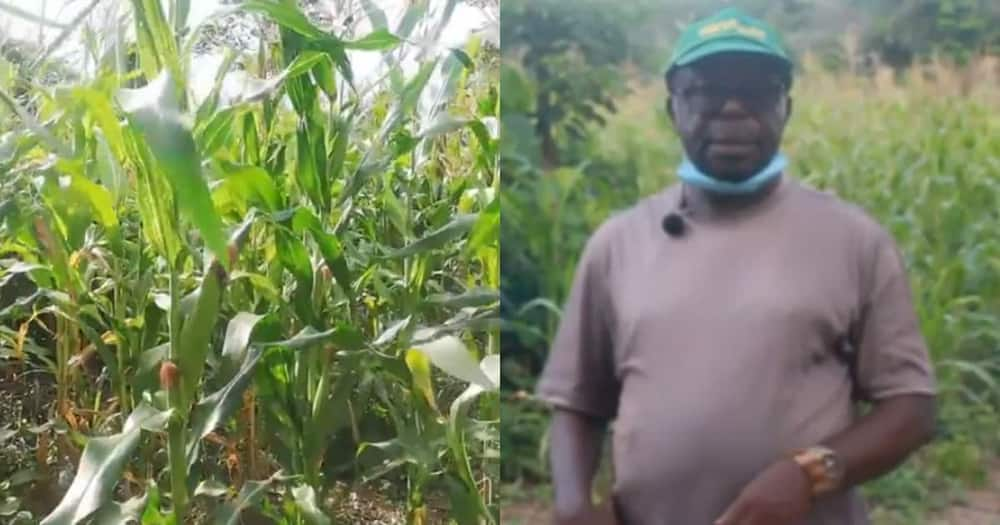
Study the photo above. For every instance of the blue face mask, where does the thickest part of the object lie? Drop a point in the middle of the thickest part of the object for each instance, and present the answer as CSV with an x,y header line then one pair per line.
x,y
690,174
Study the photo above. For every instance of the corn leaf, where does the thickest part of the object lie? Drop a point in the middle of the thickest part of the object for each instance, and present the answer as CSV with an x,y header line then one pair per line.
x,y
101,467
154,112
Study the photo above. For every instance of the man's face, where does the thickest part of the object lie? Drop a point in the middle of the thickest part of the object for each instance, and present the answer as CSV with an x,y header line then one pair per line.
x,y
730,110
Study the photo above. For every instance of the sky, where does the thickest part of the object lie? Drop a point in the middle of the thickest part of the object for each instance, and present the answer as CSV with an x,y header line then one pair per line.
x,y
465,21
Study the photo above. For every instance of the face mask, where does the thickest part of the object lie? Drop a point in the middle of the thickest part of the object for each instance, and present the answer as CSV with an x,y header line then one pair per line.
x,y
690,174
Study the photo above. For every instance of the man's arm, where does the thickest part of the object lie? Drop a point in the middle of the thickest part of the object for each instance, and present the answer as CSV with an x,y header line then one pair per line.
x,y
870,448
581,384
574,464
883,438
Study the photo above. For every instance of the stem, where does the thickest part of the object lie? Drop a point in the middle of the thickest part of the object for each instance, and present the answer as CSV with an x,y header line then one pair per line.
x,y
178,463
124,400
252,417
61,364
178,422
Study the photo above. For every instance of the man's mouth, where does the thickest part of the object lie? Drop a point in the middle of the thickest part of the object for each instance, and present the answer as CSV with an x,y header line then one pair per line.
x,y
731,148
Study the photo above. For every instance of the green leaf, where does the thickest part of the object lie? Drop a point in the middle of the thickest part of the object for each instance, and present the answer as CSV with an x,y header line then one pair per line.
x,y
287,15
101,467
390,333
77,201
343,336
238,338
323,74
330,248
305,498
307,172
463,57
335,168
196,332
100,201
123,513
251,184
438,238
147,366
459,451
9,505
305,62
213,409
490,365
30,16
260,283
216,131
154,111
486,232
98,106
450,355
256,90
109,171
330,413
156,200
443,125
180,11
212,488
473,297
420,370
464,503
378,40
36,128
24,476
153,515
373,162
375,14
250,495
210,105
157,45
294,256
407,100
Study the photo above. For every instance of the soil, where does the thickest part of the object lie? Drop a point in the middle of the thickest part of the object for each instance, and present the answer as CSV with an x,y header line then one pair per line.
x,y
25,400
977,507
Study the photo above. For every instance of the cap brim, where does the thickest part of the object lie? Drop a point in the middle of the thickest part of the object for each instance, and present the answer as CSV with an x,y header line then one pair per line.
x,y
728,45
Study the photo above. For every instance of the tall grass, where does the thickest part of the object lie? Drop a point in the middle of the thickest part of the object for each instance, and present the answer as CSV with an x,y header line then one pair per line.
x,y
265,287
919,151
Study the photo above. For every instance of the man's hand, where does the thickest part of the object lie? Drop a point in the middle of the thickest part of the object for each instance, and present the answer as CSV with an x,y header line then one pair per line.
x,y
603,515
781,495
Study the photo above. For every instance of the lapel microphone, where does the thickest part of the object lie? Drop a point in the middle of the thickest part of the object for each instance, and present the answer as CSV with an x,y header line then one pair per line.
x,y
673,223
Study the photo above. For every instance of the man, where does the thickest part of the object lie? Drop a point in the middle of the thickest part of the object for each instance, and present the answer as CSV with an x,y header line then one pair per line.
x,y
728,324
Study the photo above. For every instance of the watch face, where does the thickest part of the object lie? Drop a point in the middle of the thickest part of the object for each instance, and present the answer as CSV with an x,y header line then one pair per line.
x,y
832,465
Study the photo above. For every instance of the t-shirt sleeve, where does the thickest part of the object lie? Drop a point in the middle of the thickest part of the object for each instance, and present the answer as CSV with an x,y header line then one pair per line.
x,y
893,355
579,374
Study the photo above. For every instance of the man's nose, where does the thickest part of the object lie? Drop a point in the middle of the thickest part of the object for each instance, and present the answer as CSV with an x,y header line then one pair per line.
x,y
733,105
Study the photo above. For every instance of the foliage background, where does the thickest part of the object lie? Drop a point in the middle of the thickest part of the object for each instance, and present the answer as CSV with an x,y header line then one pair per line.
x,y
896,109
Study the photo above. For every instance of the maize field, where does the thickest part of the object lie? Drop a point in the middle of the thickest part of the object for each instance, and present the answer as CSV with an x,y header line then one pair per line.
x,y
264,299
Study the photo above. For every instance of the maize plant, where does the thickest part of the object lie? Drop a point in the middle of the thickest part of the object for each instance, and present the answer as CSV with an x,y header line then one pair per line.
x,y
243,293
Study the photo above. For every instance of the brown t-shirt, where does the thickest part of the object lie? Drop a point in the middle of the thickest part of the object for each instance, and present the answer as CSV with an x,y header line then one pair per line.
x,y
715,351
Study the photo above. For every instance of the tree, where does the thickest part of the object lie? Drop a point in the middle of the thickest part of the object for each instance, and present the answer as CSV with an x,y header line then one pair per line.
x,y
571,53
911,29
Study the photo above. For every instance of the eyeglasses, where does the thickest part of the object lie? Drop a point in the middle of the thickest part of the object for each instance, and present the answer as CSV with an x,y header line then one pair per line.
x,y
758,97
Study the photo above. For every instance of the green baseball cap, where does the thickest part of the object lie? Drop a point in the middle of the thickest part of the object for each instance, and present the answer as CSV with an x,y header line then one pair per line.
x,y
731,29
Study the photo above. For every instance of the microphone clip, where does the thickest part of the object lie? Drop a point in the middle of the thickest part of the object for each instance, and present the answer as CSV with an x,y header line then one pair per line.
x,y
673,224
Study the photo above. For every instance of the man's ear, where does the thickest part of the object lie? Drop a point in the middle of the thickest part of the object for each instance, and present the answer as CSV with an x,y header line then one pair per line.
x,y
788,109
670,109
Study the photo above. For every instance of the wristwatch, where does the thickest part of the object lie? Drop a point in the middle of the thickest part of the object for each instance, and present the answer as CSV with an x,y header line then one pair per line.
x,y
823,467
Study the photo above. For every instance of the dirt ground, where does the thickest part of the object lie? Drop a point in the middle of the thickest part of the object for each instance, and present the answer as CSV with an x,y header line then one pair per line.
x,y
25,400
978,507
